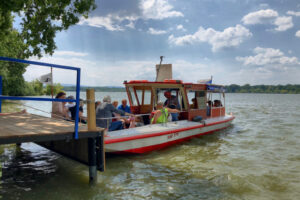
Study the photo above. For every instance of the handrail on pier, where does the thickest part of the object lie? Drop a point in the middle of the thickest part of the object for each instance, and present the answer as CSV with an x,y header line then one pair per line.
x,y
46,99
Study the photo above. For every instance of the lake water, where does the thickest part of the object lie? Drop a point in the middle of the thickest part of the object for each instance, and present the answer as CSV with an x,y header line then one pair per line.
x,y
257,157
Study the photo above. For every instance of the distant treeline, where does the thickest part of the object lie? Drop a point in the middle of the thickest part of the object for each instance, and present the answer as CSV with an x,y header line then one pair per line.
x,y
278,89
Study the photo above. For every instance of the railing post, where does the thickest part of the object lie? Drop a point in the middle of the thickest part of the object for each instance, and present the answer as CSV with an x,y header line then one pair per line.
x,y
77,102
0,93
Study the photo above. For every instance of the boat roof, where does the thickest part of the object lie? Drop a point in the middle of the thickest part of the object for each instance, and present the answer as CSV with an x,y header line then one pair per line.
x,y
208,87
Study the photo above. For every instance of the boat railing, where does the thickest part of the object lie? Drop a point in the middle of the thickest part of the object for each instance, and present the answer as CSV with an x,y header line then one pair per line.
x,y
76,100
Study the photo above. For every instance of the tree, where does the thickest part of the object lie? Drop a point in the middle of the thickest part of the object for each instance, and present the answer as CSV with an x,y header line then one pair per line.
x,y
11,45
56,89
41,20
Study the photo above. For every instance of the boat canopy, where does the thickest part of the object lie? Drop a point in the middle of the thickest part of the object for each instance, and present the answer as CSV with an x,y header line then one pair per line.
x,y
215,88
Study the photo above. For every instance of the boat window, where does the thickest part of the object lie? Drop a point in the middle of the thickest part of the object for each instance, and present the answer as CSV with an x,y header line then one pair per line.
x,y
217,99
169,96
147,97
132,96
139,94
197,99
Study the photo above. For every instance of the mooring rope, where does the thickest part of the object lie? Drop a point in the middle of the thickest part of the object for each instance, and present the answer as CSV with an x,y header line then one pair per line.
x,y
58,116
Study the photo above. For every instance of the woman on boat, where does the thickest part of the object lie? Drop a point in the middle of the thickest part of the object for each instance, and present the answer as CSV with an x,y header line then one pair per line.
x,y
161,114
59,111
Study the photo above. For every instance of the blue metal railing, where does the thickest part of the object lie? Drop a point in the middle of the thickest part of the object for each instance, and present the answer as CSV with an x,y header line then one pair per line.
x,y
46,99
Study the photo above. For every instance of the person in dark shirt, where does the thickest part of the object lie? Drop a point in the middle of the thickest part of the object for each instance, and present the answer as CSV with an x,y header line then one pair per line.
x,y
72,110
171,100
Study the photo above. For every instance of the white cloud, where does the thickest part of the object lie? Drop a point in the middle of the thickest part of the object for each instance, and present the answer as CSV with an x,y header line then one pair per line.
x,y
69,53
110,22
230,37
158,9
268,16
283,23
180,27
259,17
296,14
297,34
268,56
156,32
150,9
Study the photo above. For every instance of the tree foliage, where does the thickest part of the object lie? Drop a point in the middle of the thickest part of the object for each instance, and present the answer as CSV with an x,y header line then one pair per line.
x,y
282,89
56,88
34,88
11,45
42,19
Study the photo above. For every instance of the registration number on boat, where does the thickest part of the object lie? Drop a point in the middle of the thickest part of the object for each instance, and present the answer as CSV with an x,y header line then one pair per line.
x,y
172,135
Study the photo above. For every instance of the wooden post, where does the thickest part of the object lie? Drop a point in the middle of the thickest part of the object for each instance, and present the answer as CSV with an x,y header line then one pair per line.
x,y
91,111
91,120
92,156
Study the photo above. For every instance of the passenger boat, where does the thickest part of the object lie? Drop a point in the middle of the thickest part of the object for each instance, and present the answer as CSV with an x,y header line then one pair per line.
x,y
194,119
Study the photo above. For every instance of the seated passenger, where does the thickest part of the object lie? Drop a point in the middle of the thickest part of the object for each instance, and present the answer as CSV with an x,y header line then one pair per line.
x,y
97,103
161,114
69,105
217,103
124,106
59,111
72,110
193,106
104,115
171,100
115,104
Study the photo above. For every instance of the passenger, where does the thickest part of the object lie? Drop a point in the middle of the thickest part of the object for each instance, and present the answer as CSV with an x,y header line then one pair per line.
x,y
69,105
173,116
124,106
58,108
208,108
138,122
161,114
217,103
21,112
106,110
115,104
193,106
171,100
97,103
72,110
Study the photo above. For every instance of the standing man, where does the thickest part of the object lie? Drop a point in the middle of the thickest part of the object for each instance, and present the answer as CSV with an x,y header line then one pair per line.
x,y
124,106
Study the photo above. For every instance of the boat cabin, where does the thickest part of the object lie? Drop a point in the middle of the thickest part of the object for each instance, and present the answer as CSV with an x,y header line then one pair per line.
x,y
193,100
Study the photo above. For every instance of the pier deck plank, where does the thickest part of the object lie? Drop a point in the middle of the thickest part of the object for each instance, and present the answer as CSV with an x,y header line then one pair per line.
x,y
18,128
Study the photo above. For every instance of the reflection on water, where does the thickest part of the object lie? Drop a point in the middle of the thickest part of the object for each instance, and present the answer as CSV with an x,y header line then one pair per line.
x,y
255,158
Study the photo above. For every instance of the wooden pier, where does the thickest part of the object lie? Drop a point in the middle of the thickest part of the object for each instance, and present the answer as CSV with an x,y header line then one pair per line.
x,y
58,135
84,143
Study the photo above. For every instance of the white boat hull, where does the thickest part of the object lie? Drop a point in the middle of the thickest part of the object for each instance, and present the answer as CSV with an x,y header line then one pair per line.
x,y
158,136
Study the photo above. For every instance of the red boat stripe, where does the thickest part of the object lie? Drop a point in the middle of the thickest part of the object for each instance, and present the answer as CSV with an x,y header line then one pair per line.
x,y
135,137
163,145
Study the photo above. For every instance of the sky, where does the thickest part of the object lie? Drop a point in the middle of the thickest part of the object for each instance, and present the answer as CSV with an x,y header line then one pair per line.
x,y
235,41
